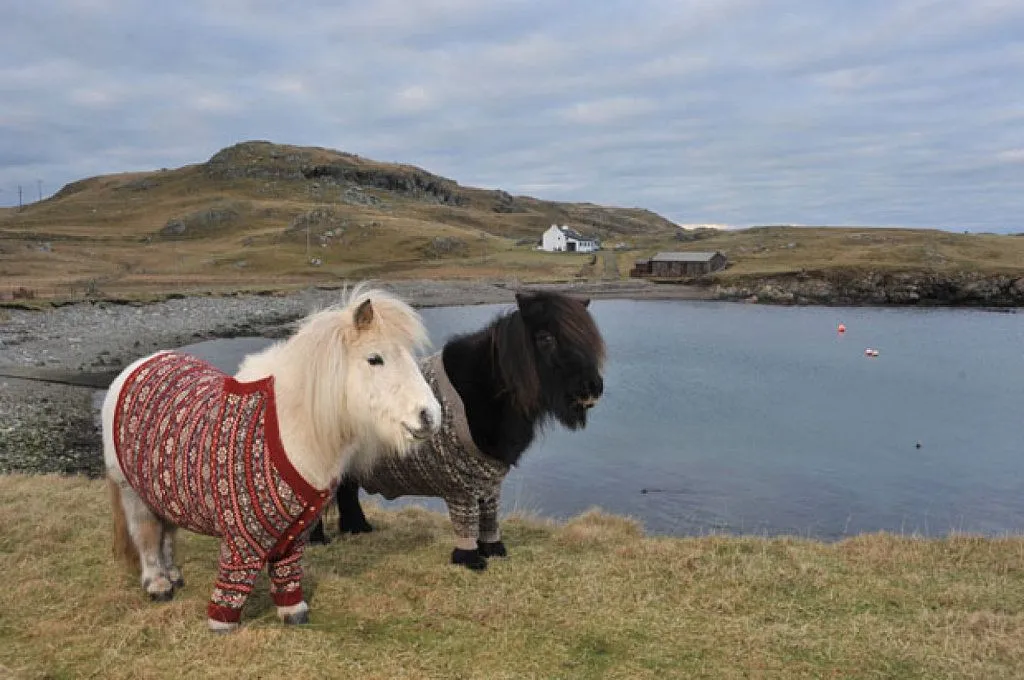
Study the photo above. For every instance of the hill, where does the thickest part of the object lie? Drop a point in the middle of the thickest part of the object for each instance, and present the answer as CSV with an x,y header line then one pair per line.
x,y
244,216
258,215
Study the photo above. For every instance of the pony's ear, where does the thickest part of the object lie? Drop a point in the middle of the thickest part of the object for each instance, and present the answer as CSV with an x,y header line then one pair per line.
x,y
529,306
586,302
364,315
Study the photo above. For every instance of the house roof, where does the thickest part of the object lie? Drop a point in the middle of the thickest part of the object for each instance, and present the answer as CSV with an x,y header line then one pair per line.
x,y
572,233
684,257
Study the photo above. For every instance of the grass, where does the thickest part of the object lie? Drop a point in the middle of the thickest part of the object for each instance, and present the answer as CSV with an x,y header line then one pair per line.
x,y
590,598
771,251
100,237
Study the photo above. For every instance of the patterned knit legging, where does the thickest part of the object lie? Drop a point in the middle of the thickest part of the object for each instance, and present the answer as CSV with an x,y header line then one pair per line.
x,y
473,519
235,582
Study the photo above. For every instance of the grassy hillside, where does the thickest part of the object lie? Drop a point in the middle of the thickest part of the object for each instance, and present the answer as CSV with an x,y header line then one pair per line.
x,y
766,251
591,598
256,214
241,219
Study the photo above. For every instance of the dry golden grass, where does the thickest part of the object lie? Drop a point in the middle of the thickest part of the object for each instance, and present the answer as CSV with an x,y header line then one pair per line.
x,y
784,250
101,236
591,598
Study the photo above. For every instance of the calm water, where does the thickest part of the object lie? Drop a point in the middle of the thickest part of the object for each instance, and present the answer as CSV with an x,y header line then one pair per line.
x,y
764,420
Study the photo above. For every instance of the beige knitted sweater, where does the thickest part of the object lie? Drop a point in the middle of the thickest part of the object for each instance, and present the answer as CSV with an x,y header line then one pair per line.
x,y
449,466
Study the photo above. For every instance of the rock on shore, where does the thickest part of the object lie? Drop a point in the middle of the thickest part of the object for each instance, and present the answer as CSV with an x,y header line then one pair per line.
x,y
877,288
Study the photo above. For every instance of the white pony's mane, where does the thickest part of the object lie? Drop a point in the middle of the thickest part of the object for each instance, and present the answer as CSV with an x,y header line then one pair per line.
x,y
309,370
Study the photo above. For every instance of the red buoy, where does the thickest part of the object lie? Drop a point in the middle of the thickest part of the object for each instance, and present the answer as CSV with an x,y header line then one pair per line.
x,y
842,328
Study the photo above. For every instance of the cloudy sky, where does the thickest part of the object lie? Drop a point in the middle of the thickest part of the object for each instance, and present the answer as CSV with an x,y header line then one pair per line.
x,y
844,112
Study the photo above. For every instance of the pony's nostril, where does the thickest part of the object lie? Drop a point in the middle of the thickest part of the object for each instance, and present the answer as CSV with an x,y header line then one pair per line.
x,y
595,387
426,420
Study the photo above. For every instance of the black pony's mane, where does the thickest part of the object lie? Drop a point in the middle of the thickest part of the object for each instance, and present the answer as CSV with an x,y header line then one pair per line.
x,y
495,370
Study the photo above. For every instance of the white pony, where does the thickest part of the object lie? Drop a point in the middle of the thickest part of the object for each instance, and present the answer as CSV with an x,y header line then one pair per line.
x,y
253,458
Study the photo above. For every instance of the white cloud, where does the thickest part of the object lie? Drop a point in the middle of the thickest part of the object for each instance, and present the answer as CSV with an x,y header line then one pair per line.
x,y
605,111
1011,156
214,102
412,99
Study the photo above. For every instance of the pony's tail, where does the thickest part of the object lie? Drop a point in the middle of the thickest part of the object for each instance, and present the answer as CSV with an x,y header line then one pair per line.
x,y
123,547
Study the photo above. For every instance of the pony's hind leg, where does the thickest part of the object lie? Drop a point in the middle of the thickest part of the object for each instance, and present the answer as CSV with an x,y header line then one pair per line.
x,y
167,547
147,532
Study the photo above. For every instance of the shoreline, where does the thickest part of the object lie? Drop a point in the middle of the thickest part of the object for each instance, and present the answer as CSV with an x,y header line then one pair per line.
x,y
52,428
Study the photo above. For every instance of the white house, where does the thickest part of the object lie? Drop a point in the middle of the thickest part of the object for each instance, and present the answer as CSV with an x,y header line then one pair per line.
x,y
562,239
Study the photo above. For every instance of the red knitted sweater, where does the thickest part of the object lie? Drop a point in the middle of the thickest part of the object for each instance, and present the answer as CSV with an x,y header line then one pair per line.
x,y
204,452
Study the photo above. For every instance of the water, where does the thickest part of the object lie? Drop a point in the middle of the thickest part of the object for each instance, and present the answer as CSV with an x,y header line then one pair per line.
x,y
765,420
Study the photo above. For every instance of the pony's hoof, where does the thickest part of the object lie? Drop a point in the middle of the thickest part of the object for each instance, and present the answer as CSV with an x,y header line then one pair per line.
x,y
350,527
317,536
177,580
471,559
494,549
295,615
162,596
221,627
299,619
159,588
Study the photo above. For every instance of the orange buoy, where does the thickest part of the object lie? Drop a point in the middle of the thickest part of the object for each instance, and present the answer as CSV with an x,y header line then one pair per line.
x,y
842,328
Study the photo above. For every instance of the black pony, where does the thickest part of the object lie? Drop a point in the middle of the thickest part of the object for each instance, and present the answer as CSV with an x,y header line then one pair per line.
x,y
497,387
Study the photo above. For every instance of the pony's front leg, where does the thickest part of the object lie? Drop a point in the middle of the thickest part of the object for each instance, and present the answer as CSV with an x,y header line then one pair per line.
x,y
286,587
464,514
351,519
490,543
230,591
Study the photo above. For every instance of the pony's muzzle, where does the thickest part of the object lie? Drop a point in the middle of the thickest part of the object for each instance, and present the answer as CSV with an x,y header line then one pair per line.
x,y
592,391
428,424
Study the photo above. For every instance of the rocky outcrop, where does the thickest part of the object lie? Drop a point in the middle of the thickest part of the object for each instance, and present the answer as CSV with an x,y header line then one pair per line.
x,y
202,222
258,160
878,288
317,221
445,246
271,162
411,182
505,202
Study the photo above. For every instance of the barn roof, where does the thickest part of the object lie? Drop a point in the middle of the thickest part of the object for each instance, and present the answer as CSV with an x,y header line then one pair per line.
x,y
684,257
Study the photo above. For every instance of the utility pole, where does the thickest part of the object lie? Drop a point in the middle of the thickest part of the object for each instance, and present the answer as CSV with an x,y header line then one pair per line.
x,y
19,198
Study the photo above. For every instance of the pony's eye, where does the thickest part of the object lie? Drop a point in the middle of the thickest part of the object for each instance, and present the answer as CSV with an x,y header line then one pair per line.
x,y
375,360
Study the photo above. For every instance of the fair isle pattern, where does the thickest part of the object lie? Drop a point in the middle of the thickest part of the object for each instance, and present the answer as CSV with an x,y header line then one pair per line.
x,y
203,451
449,466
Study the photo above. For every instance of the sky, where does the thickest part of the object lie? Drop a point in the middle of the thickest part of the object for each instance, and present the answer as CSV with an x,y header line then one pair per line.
x,y
737,112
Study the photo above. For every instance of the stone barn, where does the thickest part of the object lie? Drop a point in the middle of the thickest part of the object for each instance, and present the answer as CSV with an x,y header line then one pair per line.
x,y
679,265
